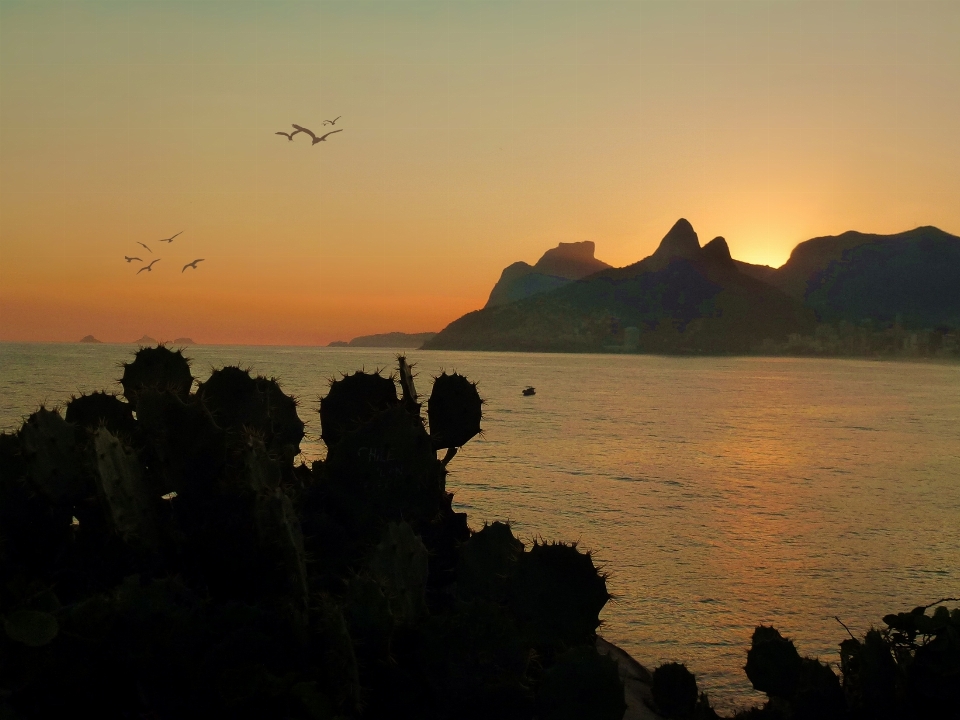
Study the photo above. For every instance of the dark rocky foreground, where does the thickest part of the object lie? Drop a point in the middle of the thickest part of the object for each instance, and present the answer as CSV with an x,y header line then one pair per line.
x,y
164,556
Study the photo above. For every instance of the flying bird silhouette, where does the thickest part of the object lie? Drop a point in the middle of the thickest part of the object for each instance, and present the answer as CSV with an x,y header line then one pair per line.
x,y
149,267
131,259
289,136
191,264
148,249
170,239
332,122
315,138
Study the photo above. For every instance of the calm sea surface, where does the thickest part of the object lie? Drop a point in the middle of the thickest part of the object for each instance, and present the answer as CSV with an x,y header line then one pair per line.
x,y
717,493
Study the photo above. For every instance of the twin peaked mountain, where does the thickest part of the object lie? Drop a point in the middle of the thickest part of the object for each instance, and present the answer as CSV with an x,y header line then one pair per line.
x,y
688,298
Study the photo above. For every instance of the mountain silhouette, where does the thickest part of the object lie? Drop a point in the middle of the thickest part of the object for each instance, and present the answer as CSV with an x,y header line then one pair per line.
x,y
559,266
912,277
683,299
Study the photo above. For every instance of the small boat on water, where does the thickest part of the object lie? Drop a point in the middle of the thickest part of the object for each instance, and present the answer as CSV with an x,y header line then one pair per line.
x,y
528,391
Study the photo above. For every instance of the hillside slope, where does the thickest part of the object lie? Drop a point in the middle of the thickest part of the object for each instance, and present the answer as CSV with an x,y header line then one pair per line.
x,y
684,298
557,267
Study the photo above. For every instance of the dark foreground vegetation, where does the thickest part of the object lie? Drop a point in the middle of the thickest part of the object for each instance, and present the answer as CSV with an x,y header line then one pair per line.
x,y
163,556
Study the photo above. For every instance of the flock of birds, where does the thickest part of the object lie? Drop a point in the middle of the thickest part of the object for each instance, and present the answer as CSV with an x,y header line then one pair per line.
x,y
149,266
296,130
300,129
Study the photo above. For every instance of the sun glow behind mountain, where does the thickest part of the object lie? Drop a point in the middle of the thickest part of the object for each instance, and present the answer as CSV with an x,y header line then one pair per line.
x,y
475,134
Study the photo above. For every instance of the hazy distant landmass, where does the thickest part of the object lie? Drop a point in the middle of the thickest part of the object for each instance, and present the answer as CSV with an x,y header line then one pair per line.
x,y
145,340
688,298
89,339
183,341
559,266
388,340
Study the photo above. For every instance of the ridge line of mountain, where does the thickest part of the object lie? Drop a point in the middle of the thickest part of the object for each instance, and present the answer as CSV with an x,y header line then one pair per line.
x,y
688,298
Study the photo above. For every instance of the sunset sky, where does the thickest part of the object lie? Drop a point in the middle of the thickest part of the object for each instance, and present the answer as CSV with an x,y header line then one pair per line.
x,y
476,133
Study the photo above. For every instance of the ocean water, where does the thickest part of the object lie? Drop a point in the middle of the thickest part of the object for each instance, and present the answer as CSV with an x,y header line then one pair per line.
x,y
718,493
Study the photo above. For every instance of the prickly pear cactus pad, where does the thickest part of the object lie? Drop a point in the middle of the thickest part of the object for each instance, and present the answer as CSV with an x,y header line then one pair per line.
x,y
454,411
559,593
132,509
99,408
399,565
237,401
53,461
156,368
389,468
353,400
488,561
773,663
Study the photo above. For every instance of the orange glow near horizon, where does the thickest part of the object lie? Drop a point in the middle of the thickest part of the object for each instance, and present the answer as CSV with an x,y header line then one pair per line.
x,y
476,134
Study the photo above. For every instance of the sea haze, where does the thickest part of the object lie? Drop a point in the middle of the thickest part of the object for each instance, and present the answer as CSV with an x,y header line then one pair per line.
x,y
718,493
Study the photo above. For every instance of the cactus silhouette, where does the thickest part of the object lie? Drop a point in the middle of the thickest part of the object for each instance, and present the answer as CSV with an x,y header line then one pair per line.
x,y
166,557
208,574
156,368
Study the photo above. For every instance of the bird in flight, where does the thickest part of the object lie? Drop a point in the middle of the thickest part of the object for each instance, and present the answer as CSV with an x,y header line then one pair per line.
x,y
148,249
332,122
170,239
315,138
131,259
191,264
149,267
289,136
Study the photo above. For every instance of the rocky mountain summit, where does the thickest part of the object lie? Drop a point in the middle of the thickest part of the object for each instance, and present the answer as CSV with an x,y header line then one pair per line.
x,y
557,267
684,298
853,293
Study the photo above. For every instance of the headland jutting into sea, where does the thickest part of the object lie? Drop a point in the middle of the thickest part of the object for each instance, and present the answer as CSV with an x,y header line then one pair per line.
x,y
164,555
850,295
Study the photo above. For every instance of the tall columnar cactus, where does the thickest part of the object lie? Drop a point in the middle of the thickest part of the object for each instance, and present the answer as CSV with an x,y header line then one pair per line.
x,y
52,458
156,368
352,401
454,411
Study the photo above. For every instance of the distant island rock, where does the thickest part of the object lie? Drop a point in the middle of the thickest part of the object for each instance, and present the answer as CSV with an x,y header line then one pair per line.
x,y
557,267
145,340
387,340
89,339
183,341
